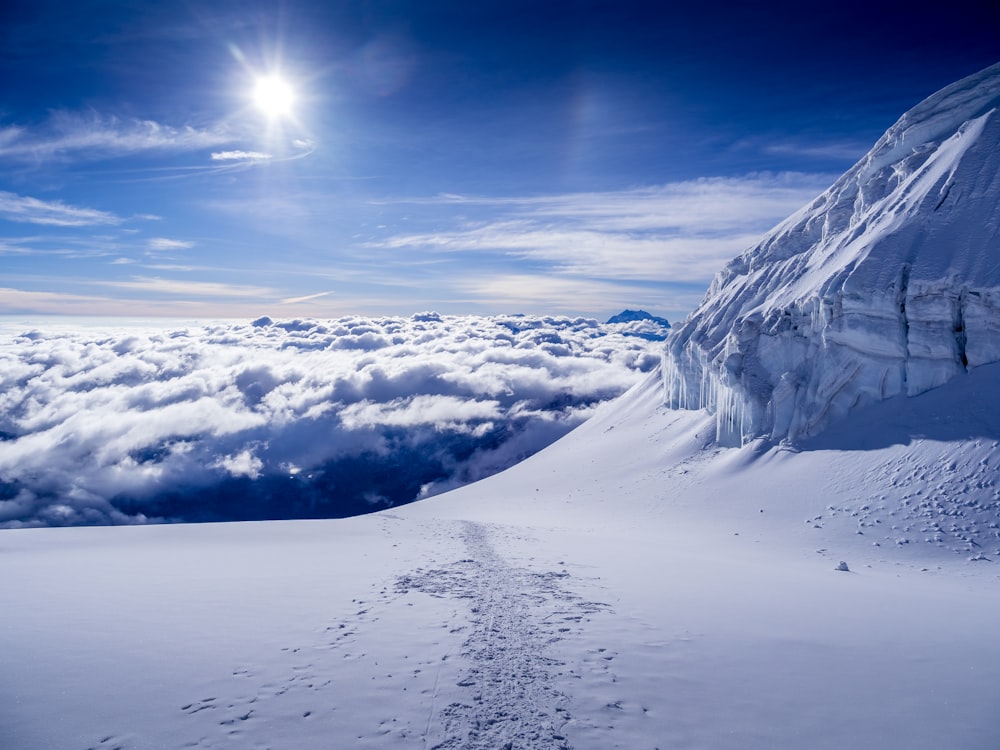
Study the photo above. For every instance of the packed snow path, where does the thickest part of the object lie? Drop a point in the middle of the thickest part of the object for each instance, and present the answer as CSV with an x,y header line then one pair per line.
x,y
461,647
513,696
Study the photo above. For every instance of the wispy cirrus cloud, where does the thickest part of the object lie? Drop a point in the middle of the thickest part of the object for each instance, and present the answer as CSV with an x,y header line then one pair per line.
x,y
692,205
68,136
240,156
28,210
200,289
306,298
50,299
165,243
170,267
61,303
678,232
523,291
844,151
592,252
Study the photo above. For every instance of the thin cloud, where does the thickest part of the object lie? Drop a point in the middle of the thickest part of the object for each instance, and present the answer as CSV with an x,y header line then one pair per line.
x,y
164,243
240,156
533,292
190,288
70,135
679,232
705,204
593,253
15,301
306,298
25,209
18,246
843,151
22,301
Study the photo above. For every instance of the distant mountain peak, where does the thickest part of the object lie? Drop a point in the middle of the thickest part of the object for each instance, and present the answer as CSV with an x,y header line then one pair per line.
x,y
641,324
631,316
888,283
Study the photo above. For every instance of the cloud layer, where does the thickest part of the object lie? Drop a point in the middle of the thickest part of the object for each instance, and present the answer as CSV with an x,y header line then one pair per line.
x,y
298,418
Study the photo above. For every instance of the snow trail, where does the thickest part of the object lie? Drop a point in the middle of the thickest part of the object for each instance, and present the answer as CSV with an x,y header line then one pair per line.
x,y
497,659
513,696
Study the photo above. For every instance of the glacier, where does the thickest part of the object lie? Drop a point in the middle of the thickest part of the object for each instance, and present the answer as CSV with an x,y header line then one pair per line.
x,y
888,283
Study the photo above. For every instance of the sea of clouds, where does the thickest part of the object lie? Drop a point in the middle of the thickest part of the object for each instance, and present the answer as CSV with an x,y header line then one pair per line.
x,y
290,419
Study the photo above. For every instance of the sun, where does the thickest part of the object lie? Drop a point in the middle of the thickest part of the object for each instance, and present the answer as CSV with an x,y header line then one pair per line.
x,y
273,96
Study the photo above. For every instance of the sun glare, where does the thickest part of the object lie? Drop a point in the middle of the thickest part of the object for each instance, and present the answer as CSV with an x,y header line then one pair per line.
x,y
273,96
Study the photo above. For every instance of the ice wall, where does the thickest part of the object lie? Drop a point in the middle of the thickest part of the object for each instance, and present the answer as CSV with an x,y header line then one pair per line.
x,y
888,283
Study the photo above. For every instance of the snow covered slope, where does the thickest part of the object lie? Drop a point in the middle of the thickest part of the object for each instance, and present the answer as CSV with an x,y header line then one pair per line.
x,y
887,283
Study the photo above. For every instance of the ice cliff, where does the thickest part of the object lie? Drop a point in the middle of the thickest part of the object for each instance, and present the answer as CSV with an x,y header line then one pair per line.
x,y
888,283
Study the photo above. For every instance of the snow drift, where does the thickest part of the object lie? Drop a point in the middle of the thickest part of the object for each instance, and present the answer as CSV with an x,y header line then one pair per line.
x,y
888,283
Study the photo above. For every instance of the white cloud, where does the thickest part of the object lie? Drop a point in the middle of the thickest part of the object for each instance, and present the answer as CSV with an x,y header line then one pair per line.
x,y
190,288
845,151
239,156
441,412
169,267
20,301
163,243
173,300
243,464
72,135
22,208
306,298
704,204
679,232
204,423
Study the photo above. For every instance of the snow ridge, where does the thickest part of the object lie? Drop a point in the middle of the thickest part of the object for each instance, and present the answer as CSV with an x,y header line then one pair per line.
x,y
888,283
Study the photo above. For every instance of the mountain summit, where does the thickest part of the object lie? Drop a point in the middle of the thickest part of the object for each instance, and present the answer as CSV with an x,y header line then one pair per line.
x,y
888,283
631,316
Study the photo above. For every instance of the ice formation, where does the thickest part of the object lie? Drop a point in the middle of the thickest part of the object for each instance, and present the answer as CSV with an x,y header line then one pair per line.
x,y
888,283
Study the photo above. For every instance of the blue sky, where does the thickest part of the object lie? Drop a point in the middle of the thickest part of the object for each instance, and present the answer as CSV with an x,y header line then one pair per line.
x,y
452,156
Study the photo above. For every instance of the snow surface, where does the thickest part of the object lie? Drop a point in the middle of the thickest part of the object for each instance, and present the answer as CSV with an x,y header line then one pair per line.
x,y
887,283
631,586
